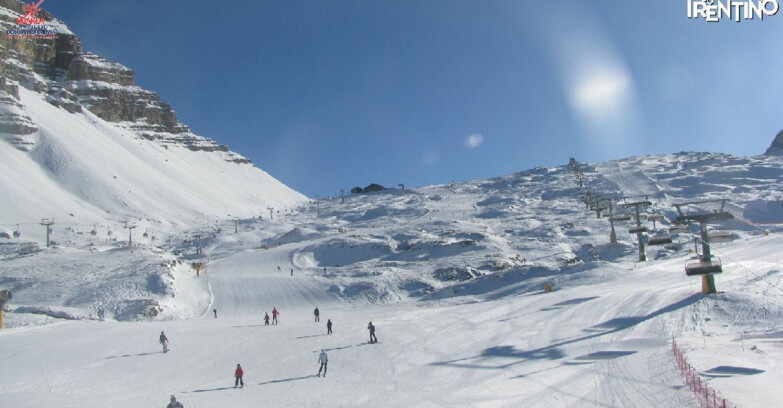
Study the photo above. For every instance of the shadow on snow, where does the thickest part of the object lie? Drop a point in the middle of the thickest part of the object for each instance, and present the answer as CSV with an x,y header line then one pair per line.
x,y
554,351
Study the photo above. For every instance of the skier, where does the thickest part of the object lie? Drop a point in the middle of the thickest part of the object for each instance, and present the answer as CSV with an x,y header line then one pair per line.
x,y
238,373
323,359
292,271
164,341
317,314
328,326
174,403
215,312
274,315
266,319
278,267
371,328
102,314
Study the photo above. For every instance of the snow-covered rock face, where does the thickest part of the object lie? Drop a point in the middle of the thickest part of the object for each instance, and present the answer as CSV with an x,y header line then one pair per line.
x,y
776,148
71,79
79,140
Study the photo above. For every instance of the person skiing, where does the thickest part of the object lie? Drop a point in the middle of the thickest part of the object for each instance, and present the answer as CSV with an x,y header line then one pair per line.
x,y
323,359
317,314
274,315
215,312
371,328
328,326
266,319
164,341
102,314
174,403
238,373
292,271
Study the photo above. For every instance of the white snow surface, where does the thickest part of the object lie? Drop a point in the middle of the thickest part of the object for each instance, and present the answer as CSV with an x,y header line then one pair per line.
x,y
452,276
84,171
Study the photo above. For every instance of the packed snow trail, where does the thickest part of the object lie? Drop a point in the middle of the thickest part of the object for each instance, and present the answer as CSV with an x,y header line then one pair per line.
x,y
572,347
251,284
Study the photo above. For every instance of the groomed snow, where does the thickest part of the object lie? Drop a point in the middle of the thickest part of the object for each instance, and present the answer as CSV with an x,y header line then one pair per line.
x,y
496,339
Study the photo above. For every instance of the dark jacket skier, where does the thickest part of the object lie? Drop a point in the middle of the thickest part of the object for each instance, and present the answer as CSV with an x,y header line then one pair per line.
x,y
164,341
371,328
328,326
317,314
174,403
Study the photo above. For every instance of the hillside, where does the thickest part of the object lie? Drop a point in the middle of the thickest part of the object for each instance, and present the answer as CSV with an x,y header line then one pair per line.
x,y
452,275
82,144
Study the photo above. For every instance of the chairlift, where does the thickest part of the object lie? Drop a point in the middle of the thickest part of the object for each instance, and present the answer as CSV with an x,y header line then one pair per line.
x,y
108,232
661,238
703,267
620,217
636,230
678,228
18,232
719,236
655,217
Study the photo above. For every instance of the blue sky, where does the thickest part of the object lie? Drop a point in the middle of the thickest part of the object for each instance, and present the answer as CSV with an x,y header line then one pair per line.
x,y
328,94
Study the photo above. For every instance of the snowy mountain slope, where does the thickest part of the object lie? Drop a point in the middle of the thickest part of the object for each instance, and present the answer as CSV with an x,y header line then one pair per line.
x,y
84,166
452,276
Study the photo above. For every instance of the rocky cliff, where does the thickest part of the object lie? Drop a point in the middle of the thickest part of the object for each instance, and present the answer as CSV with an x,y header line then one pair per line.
x,y
75,80
776,148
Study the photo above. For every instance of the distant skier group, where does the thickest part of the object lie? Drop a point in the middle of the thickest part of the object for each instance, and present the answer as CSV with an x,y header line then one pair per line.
x,y
323,358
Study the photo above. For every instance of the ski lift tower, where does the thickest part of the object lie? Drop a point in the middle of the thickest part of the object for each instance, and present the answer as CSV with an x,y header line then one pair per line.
x,y
637,202
614,218
707,266
271,210
130,226
598,204
47,222
197,237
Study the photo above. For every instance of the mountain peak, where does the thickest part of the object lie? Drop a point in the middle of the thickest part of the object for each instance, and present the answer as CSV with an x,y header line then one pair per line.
x,y
776,148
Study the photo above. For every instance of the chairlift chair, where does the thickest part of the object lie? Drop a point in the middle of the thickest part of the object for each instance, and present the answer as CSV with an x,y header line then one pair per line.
x,y
678,228
18,232
704,267
719,236
636,230
661,238
620,217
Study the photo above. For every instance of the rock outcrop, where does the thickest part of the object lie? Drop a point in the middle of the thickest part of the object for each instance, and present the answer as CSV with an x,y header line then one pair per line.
x,y
776,148
75,80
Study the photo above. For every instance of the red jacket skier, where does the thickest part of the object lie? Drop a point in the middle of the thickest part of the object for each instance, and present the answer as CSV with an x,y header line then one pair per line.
x,y
238,376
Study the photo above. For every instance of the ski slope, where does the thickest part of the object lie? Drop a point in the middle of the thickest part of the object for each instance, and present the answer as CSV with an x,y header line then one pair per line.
x,y
452,276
